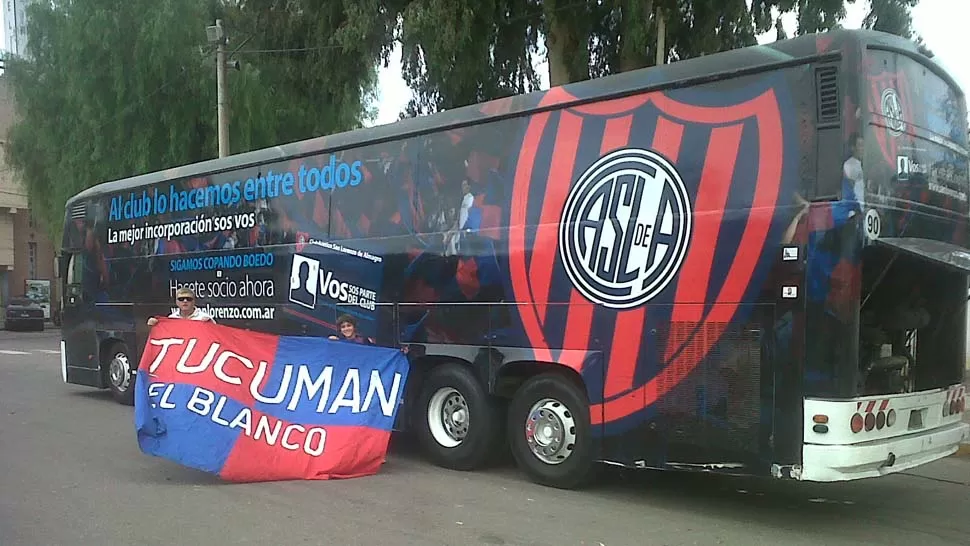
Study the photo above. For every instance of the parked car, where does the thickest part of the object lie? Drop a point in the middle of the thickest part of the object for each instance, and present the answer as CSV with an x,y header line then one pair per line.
x,y
21,312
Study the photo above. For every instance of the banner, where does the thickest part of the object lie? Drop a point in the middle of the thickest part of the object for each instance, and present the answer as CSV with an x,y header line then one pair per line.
x,y
248,406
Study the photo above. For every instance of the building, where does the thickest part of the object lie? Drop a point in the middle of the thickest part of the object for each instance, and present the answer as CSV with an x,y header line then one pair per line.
x,y
15,26
26,253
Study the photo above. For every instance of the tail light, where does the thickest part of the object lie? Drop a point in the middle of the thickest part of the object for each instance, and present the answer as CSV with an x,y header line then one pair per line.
x,y
956,401
872,415
857,423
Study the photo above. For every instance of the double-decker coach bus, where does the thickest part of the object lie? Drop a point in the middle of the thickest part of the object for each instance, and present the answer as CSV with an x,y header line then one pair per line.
x,y
753,262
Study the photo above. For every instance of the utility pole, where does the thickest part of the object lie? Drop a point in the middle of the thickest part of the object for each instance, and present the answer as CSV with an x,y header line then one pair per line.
x,y
661,37
217,35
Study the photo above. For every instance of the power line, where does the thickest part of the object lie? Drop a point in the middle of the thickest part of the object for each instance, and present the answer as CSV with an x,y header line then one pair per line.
x,y
289,50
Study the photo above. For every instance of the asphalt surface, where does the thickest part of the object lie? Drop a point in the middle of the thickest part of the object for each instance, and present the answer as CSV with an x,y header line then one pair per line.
x,y
72,474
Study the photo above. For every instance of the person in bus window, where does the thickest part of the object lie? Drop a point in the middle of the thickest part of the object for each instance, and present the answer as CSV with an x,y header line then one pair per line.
x,y
185,300
852,174
348,331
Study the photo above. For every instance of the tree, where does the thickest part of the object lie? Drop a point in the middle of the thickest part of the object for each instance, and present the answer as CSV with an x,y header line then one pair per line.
x,y
116,88
315,64
131,97
449,65
458,52
893,16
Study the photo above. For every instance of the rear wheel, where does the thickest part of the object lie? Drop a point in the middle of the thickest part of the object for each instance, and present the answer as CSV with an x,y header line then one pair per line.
x,y
119,374
460,426
550,433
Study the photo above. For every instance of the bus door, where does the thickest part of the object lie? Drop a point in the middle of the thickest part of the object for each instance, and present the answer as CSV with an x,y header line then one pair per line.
x,y
78,331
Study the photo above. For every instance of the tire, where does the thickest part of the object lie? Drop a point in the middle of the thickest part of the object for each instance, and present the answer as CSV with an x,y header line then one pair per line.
x,y
119,374
479,427
567,408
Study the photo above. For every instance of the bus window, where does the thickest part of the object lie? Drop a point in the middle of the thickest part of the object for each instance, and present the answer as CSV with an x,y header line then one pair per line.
x,y
75,269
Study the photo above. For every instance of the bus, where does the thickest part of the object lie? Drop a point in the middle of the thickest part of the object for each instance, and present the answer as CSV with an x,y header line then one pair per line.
x,y
753,262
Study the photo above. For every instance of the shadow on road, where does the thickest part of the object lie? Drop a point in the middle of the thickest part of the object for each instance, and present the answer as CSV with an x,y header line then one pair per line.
x,y
919,507
904,501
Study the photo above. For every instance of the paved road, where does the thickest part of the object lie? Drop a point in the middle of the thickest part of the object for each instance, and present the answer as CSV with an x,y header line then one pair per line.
x,y
71,474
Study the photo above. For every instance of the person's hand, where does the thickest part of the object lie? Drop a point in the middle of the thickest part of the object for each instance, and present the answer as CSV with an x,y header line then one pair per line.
x,y
333,338
152,321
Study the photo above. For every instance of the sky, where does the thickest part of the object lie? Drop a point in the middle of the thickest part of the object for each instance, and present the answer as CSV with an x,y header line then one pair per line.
x,y
941,23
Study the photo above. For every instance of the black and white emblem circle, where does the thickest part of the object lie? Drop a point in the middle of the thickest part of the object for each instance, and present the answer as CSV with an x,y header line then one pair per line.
x,y
625,228
892,110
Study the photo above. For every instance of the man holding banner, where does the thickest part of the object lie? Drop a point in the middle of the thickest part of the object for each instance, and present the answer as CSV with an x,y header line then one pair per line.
x,y
249,406
185,301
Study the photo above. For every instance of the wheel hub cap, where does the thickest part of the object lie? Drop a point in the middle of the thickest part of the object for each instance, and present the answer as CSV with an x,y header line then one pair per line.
x,y
448,417
119,371
550,431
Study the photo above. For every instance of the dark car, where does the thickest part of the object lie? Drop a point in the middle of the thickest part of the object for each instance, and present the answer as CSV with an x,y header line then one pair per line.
x,y
23,312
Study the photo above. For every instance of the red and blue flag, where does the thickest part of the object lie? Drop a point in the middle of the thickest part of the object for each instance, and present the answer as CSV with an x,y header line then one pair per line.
x,y
250,407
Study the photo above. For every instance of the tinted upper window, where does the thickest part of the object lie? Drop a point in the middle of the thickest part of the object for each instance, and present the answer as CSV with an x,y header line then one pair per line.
x,y
916,145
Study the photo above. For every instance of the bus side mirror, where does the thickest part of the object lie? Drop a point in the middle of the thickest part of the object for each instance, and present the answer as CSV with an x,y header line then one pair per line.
x,y
57,266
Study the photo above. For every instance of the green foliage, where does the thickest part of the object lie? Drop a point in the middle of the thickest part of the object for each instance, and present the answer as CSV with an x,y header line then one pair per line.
x,y
116,88
893,16
890,16
568,28
456,52
316,68
702,27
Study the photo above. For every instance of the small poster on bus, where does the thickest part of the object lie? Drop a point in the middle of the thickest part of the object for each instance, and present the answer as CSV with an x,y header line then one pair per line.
x,y
330,281
235,287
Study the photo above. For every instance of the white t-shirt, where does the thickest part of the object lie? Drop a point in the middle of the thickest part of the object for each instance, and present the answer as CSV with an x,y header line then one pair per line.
x,y
198,314
852,169
466,204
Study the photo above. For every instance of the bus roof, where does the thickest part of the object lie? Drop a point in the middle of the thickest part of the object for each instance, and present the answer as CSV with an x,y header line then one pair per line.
x,y
690,71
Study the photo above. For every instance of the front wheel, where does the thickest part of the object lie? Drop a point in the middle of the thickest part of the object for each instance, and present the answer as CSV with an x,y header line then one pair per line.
x,y
460,426
120,374
550,433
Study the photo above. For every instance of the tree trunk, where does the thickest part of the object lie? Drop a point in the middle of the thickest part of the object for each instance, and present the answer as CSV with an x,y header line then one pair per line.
x,y
637,35
568,53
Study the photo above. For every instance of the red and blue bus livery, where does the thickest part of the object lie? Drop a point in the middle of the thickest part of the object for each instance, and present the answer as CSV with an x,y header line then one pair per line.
x,y
753,262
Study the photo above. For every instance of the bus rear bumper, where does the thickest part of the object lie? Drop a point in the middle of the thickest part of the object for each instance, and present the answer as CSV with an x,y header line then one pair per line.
x,y
833,463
